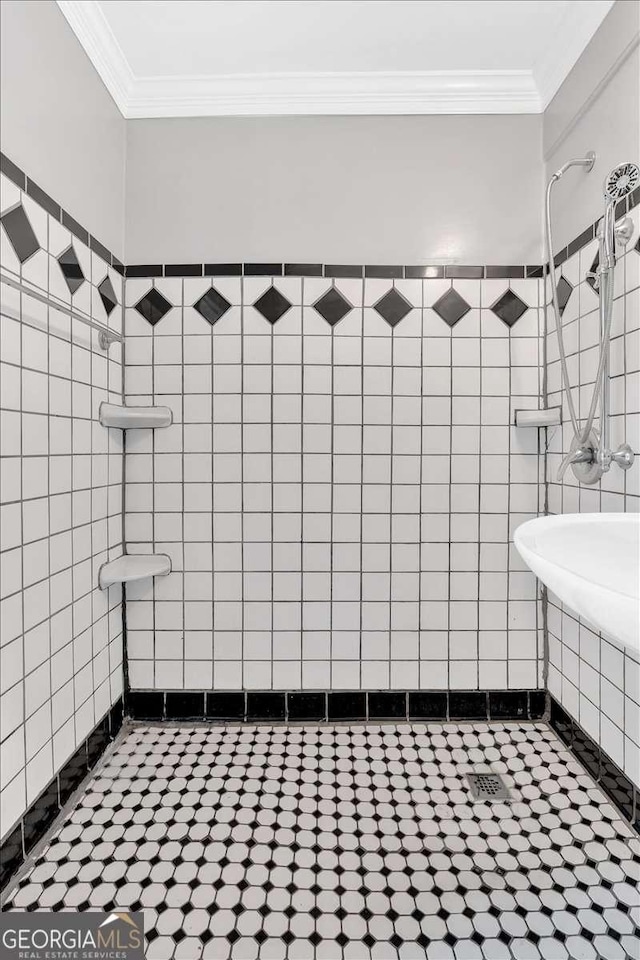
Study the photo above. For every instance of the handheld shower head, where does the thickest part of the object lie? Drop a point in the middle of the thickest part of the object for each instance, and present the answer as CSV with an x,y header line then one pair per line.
x,y
622,180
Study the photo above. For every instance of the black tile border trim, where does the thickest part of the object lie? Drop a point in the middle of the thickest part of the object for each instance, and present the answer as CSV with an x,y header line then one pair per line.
x,y
328,270
247,706
609,777
35,822
25,183
335,271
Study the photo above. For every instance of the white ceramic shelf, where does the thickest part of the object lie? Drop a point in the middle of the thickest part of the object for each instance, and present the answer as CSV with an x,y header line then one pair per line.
x,y
133,567
538,418
127,418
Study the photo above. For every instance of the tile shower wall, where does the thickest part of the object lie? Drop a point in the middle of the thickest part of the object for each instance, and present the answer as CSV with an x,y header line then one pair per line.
x,y
340,486
594,678
61,513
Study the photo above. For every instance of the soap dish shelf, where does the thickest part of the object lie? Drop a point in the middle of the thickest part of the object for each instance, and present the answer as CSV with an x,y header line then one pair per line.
x,y
127,418
133,567
538,418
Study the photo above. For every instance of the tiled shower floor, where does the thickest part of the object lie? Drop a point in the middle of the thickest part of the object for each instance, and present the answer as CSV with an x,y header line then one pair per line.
x,y
347,842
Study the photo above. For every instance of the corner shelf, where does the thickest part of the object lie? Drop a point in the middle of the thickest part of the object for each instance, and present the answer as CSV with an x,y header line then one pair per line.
x,y
133,567
127,418
538,418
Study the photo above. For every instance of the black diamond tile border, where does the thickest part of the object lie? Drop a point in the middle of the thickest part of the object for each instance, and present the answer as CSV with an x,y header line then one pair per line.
x,y
212,305
451,307
153,306
415,271
20,179
272,305
71,269
509,307
20,233
108,296
392,307
332,306
564,290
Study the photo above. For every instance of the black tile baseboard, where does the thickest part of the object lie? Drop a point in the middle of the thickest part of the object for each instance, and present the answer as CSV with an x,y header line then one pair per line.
x,y
38,818
335,705
614,783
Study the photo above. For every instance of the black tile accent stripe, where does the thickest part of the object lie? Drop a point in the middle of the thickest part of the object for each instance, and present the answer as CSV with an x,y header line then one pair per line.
x,y
75,228
343,271
223,269
458,272
614,783
43,811
324,705
13,172
504,273
337,271
425,272
263,269
303,269
17,176
183,270
585,237
387,272
45,201
139,271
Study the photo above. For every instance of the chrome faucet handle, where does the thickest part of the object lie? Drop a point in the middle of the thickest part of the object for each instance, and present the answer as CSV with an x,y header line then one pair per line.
x,y
623,456
581,454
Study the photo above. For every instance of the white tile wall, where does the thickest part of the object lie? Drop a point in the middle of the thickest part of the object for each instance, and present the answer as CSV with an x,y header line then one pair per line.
x,y
596,680
339,503
61,515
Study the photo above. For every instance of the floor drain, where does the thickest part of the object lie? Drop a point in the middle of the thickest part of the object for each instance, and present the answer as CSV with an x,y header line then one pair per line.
x,y
488,786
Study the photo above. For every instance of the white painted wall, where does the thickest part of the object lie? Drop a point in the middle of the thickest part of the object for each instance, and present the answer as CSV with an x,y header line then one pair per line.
x,y
58,122
335,189
596,108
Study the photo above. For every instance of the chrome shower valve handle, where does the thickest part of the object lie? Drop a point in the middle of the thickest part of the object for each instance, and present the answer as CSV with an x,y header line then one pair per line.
x,y
589,462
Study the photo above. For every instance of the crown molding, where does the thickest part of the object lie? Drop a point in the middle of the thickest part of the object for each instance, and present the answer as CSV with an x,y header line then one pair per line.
x,y
293,94
300,94
88,22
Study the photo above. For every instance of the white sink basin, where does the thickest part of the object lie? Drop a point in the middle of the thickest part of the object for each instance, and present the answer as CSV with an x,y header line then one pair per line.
x,y
591,561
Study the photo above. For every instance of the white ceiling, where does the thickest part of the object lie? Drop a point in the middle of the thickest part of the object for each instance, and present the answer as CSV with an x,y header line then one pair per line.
x,y
249,57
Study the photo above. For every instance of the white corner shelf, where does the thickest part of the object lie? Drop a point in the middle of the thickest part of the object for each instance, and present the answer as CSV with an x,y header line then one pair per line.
x,y
538,418
127,418
133,567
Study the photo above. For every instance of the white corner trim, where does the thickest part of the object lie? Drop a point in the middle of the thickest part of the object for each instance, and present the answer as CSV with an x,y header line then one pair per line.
x,y
435,92
86,19
578,25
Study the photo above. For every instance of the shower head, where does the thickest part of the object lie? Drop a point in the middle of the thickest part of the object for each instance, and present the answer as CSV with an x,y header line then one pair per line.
x,y
622,180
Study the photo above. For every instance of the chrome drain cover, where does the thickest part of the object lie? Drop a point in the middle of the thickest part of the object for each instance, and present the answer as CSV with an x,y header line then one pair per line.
x,y
488,786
